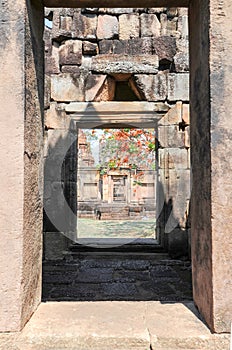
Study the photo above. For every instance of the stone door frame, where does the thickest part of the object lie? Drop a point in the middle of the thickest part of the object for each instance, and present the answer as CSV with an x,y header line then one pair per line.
x,y
21,90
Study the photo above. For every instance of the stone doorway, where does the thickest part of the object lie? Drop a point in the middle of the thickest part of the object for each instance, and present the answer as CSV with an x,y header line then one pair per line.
x,y
209,131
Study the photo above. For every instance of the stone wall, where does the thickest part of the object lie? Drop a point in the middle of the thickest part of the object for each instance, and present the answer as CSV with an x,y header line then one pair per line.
x,y
89,54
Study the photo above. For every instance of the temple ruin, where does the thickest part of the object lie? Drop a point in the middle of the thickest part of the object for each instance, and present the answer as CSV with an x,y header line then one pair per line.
x,y
120,69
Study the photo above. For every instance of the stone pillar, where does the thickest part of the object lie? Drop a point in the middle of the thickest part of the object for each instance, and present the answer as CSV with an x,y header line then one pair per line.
x,y
21,144
211,134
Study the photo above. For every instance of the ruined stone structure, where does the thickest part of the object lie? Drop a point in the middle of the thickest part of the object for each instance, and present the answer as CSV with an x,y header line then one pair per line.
x,y
21,90
96,55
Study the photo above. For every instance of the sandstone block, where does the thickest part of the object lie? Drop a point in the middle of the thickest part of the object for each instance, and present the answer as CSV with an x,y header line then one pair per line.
x,y
137,46
155,9
107,91
85,26
181,61
173,158
178,87
116,11
67,87
129,26
187,137
55,118
182,26
93,84
171,137
152,87
150,25
47,91
89,48
62,27
168,26
125,64
107,27
66,23
164,47
70,69
186,113
173,116
70,52
52,60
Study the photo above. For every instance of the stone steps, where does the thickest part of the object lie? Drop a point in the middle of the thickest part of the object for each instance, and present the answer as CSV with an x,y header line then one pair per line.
x,y
115,326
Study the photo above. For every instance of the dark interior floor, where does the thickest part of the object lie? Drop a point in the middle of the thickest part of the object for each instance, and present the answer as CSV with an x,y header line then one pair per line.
x,y
98,276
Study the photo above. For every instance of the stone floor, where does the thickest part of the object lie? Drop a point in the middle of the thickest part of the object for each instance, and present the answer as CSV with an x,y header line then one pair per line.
x,y
101,276
117,325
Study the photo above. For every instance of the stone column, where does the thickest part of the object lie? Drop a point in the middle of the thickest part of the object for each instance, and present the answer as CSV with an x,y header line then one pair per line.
x,y
21,144
211,135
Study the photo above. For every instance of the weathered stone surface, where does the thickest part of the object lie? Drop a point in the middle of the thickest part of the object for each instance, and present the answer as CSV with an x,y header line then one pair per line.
x,y
178,87
70,52
107,27
181,61
93,85
67,87
174,115
71,69
170,136
21,153
136,46
129,26
118,3
47,91
52,60
211,209
173,158
107,91
85,26
150,25
183,26
55,118
116,11
185,113
165,47
168,26
90,48
152,87
155,9
125,64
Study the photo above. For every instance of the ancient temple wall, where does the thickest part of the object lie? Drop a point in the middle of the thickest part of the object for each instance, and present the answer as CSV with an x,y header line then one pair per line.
x,y
89,51
21,91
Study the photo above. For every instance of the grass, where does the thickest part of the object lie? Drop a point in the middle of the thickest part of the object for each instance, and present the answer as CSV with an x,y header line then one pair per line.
x,y
90,228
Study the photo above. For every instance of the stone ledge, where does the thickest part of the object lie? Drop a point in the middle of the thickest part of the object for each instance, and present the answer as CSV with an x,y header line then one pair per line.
x,y
115,325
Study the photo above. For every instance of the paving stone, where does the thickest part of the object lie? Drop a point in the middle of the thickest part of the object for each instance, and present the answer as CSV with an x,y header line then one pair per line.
x,y
178,87
129,26
150,25
125,64
107,27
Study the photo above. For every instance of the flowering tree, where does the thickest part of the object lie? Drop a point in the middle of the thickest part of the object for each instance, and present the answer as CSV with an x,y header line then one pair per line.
x,y
127,148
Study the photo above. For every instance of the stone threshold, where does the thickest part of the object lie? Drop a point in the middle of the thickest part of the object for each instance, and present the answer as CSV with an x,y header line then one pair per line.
x,y
115,326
